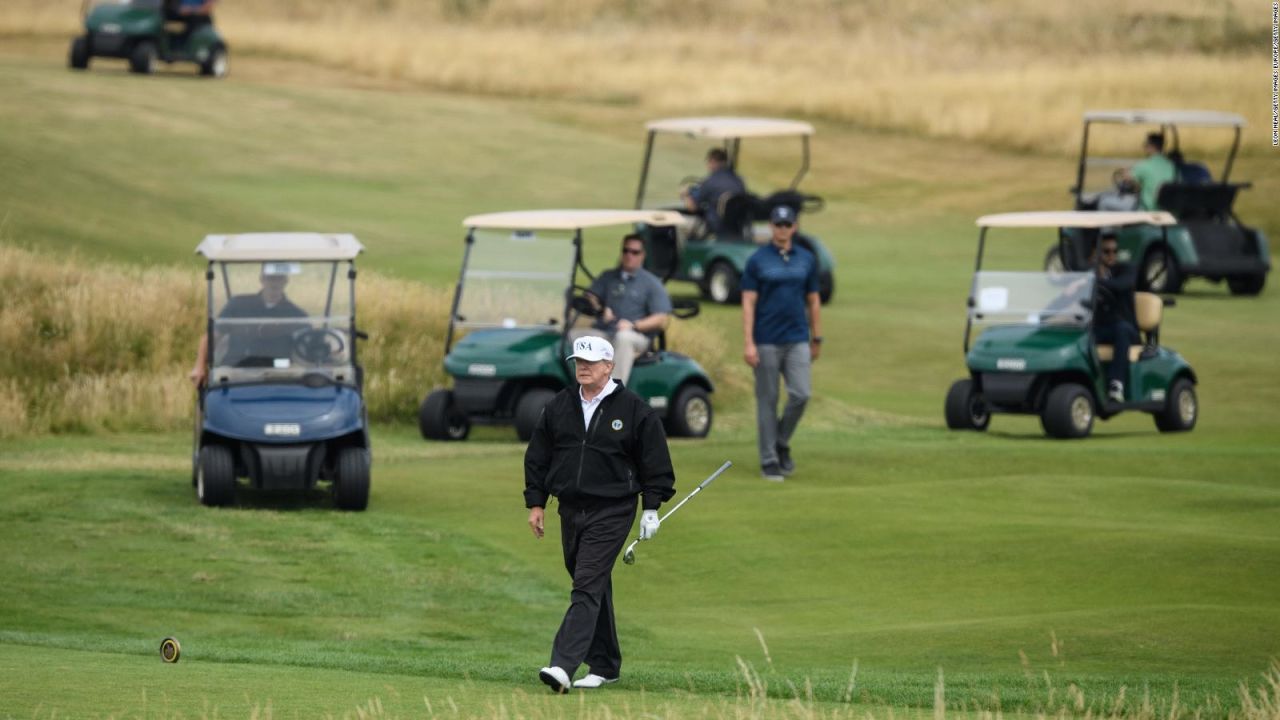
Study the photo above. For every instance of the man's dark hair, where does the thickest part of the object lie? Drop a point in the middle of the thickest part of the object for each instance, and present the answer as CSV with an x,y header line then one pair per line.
x,y
629,237
1156,140
718,155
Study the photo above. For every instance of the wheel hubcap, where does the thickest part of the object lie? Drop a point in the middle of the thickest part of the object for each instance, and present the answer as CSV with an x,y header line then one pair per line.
x,y
977,411
1055,264
200,483
1156,271
457,429
1081,412
220,65
1187,406
719,287
697,415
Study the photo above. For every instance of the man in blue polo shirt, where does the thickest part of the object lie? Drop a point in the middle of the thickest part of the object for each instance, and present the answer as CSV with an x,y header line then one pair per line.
x,y
782,328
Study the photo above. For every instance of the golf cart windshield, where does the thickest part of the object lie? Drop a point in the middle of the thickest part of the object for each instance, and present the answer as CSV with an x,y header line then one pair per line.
x,y
516,278
280,321
1031,298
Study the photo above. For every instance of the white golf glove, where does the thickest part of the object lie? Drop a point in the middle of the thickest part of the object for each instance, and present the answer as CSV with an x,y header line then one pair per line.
x,y
649,523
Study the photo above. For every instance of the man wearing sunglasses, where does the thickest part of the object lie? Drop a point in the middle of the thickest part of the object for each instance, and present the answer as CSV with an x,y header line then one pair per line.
x,y
782,328
1114,318
633,306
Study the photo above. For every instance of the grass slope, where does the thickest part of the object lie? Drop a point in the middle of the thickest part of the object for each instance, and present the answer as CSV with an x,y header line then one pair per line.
x,y
1131,560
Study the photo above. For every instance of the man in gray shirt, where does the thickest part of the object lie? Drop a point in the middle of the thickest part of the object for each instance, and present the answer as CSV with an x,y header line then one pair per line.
x,y
720,183
634,306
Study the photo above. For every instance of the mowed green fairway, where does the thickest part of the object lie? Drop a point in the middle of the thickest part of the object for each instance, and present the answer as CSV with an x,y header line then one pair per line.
x,y
1015,564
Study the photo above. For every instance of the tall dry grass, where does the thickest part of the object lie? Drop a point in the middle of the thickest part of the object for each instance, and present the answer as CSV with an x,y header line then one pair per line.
x,y
90,345
1013,73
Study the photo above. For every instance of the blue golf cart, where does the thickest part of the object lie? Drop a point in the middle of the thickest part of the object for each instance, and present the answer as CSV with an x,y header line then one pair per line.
x,y
282,404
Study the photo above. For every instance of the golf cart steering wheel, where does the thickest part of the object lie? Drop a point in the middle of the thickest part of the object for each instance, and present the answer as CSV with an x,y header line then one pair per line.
x,y
585,302
314,345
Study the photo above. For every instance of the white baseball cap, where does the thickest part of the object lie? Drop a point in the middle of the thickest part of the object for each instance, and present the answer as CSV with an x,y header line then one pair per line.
x,y
592,349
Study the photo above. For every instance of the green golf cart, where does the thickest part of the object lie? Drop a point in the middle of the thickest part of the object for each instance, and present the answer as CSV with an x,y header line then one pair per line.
x,y
145,32
690,251
518,300
1033,350
1208,241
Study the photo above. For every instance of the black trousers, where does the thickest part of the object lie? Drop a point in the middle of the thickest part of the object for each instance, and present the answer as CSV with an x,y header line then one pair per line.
x,y
592,536
1121,335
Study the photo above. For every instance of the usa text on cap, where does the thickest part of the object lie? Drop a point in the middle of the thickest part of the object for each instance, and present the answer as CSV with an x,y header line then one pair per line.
x,y
592,349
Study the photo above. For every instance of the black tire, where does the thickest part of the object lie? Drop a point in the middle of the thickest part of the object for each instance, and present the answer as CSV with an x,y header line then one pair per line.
x,y
1053,262
78,59
1246,284
965,409
439,418
826,287
142,59
721,284
1068,412
691,414
1160,272
216,476
351,481
1181,408
216,65
529,409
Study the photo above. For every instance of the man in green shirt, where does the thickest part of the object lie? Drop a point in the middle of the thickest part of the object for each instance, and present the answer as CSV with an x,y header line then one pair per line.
x,y
1152,172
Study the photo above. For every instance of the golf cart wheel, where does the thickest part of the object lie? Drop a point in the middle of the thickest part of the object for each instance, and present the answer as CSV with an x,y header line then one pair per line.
x,y
1160,272
79,57
691,413
1246,284
351,482
826,287
216,65
722,283
965,408
216,476
1053,262
1068,412
143,58
1181,408
529,409
439,419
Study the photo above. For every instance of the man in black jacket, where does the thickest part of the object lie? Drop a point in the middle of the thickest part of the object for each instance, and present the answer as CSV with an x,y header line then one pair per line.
x,y
595,448
1114,320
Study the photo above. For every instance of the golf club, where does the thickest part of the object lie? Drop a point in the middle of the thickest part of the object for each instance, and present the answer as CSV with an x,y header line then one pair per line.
x,y
629,557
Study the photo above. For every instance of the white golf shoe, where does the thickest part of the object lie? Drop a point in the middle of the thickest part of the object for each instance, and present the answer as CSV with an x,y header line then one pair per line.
x,y
555,678
592,681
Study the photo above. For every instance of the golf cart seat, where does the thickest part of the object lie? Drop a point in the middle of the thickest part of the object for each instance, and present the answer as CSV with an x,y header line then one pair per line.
x,y
1188,201
1149,308
681,309
735,211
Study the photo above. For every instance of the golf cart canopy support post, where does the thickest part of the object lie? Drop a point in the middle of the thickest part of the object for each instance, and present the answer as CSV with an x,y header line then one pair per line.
x,y
457,291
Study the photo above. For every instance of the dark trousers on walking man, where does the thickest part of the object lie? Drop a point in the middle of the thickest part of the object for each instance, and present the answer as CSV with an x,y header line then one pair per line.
x,y
592,535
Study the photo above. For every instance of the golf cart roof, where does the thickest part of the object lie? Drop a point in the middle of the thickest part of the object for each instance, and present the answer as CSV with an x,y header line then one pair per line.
x,y
1186,118
571,219
1074,219
730,127
257,247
